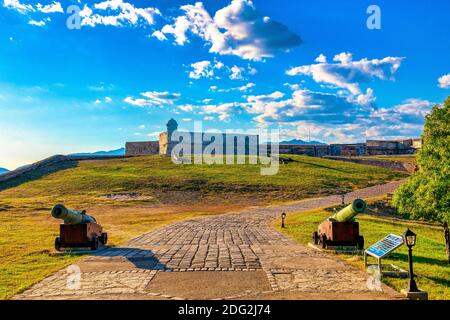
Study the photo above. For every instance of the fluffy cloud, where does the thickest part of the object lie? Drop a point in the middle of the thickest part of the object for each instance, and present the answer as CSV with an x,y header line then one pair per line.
x,y
36,23
345,73
50,8
153,98
109,13
237,29
117,13
19,7
303,104
201,69
209,69
444,81
54,7
224,110
159,35
410,111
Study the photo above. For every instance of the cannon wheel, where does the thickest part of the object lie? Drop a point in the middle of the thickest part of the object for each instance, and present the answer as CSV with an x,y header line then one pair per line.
x,y
361,243
58,244
104,238
315,237
323,241
94,243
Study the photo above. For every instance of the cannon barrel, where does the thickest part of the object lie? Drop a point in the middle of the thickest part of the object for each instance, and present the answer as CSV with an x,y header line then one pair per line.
x,y
348,213
71,216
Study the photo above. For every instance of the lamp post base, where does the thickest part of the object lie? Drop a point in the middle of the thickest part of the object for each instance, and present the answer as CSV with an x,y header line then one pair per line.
x,y
419,295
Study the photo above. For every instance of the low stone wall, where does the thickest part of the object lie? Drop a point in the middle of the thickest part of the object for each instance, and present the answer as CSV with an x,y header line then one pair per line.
x,y
50,161
393,165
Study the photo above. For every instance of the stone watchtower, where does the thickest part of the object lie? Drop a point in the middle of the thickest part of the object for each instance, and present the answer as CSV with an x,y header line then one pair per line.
x,y
172,126
165,139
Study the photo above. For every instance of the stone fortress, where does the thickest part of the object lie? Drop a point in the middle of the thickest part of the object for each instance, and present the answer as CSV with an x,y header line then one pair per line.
x,y
165,145
233,143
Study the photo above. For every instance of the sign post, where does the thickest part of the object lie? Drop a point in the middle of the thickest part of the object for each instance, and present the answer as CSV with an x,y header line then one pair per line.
x,y
382,248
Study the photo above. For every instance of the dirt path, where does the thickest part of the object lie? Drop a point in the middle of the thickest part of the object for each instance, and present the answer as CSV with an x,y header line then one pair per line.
x,y
232,256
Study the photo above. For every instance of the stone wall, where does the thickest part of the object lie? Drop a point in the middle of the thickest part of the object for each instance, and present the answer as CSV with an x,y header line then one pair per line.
x,y
141,148
387,164
48,162
381,147
307,150
238,143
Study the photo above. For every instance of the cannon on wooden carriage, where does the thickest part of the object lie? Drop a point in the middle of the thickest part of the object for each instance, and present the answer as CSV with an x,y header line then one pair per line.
x,y
78,230
341,229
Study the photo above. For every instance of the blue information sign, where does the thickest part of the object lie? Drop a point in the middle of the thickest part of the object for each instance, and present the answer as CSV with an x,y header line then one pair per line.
x,y
385,246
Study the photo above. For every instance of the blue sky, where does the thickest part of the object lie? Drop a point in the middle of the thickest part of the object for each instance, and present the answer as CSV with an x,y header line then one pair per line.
x,y
301,66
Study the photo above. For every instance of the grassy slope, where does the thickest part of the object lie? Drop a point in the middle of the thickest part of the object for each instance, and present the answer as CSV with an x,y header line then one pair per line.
x,y
27,231
430,263
152,175
401,158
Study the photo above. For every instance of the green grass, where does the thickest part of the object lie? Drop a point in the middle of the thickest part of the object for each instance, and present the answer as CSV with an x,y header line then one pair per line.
x,y
175,192
402,158
430,264
154,176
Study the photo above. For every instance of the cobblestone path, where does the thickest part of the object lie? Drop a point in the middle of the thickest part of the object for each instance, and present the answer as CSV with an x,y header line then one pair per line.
x,y
231,244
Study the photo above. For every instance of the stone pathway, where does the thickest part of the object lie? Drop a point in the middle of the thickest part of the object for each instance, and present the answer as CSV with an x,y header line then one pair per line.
x,y
237,255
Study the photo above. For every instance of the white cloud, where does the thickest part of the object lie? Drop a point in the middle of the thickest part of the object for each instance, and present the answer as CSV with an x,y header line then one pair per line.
x,y
54,7
19,7
186,107
237,29
444,81
201,69
303,104
154,98
346,73
118,14
410,111
40,23
244,88
224,110
236,73
321,59
215,69
178,30
159,35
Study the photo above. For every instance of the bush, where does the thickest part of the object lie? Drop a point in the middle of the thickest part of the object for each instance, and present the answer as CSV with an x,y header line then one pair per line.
x,y
426,194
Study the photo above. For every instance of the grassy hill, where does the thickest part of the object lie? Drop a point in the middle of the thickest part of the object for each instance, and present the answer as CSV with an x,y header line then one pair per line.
x,y
158,178
134,195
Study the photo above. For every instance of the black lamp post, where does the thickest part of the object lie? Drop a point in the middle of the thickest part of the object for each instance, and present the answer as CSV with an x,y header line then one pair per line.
x,y
283,216
410,240
343,197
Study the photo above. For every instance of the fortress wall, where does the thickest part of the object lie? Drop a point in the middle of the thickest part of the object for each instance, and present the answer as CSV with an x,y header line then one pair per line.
x,y
141,148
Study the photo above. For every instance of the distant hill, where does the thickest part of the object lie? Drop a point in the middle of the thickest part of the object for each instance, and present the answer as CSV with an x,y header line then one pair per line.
x,y
3,170
117,152
297,141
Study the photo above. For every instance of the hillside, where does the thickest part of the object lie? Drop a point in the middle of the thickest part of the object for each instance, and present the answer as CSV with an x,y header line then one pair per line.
x,y
3,170
159,180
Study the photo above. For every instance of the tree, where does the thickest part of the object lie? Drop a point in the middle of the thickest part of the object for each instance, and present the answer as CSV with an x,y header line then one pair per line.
x,y
426,194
